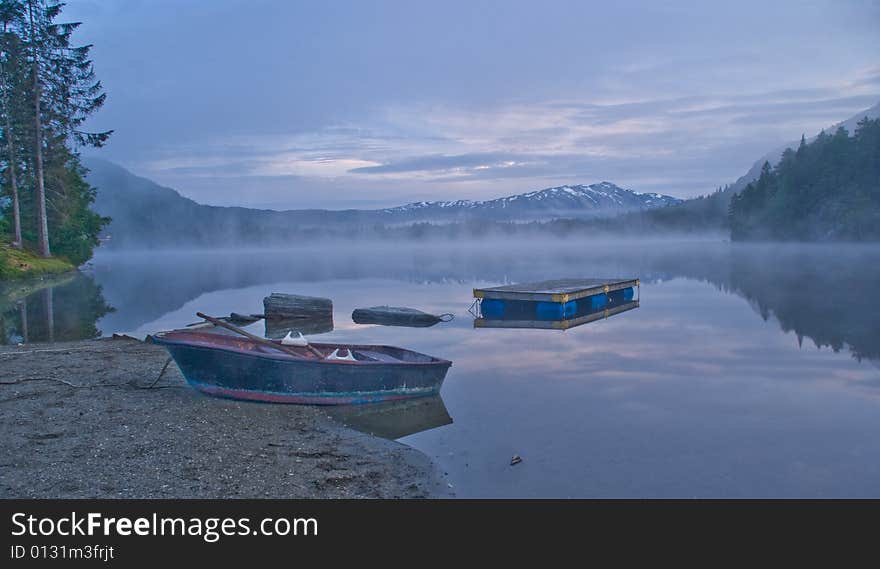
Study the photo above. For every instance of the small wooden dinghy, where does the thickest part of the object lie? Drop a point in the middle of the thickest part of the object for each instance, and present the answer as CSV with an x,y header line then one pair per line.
x,y
317,374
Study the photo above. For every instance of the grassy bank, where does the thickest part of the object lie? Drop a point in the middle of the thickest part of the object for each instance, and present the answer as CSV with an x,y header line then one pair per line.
x,y
16,264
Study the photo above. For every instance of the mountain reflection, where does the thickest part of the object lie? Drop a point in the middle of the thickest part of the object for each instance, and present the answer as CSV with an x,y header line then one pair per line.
x,y
821,293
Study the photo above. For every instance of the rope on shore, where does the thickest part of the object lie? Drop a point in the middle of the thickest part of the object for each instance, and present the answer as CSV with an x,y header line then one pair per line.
x,y
155,381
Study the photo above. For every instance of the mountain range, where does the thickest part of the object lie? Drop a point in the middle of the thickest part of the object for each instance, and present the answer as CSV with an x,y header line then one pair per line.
x,y
147,214
594,200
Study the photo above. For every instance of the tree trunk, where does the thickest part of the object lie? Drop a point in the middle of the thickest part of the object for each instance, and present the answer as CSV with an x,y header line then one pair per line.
x,y
16,214
42,220
13,182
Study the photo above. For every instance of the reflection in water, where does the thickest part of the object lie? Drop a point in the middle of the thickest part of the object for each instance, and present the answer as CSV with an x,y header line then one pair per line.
x,y
22,314
49,309
394,419
277,328
53,310
524,316
825,298
819,292
693,394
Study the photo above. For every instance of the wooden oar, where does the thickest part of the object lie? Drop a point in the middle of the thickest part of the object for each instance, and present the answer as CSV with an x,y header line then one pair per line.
x,y
257,339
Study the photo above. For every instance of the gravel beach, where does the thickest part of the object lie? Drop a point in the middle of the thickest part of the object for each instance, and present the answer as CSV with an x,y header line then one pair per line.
x,y
80,420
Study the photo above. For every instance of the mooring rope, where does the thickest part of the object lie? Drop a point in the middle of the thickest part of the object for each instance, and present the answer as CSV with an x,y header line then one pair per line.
x,y
161,373
474,309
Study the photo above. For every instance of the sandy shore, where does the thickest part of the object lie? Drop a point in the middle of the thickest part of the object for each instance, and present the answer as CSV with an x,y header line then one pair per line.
x,y
77,421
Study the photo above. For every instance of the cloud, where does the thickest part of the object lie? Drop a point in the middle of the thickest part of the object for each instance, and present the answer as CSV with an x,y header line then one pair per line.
x,y
676,137
441,163
405,101
681,146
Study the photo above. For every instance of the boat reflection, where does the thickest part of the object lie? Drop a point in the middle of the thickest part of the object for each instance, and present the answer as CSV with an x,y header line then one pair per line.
x,y
394,419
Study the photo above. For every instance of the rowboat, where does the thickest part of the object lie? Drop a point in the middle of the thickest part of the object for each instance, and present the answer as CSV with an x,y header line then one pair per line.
x,y
265,370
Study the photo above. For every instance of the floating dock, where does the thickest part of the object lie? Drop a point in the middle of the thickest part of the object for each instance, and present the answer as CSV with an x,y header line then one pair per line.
x,y
561,290
556,304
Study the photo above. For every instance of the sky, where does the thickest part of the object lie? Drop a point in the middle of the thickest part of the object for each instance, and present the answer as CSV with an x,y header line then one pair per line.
x,y
288,104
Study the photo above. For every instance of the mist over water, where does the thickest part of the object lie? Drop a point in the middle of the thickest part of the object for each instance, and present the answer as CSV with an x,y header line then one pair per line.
x,y
747,370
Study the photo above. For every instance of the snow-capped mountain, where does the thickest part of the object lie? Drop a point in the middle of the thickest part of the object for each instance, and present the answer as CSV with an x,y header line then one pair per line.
x,y
146,214
578,201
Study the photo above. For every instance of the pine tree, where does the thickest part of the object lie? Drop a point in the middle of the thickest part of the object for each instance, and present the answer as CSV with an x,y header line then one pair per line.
x,y
49,89
11,79
35,43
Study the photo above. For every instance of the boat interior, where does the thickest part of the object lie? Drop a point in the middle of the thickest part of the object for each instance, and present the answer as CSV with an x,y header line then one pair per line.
x,y
358,353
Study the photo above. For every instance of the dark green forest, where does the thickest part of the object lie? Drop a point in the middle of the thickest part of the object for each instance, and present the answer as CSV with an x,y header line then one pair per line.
x,y
48,89
826,190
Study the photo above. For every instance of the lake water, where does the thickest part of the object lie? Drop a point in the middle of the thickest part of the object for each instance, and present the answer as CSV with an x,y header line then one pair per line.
x,y
745,371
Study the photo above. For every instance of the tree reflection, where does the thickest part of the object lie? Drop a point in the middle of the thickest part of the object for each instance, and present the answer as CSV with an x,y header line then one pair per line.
x,y
53,311
826,298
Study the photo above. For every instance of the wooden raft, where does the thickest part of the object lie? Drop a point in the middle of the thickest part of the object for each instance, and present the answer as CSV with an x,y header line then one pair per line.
x,y
561,290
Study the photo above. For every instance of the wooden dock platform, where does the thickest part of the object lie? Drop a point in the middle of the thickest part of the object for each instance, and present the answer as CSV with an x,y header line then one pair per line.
x,y
556,324
561,290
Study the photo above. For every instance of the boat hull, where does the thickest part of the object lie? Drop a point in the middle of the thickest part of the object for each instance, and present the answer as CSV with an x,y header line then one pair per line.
x,y
239,375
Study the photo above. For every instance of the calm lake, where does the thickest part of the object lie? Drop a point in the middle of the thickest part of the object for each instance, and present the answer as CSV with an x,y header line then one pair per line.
x,y
745,371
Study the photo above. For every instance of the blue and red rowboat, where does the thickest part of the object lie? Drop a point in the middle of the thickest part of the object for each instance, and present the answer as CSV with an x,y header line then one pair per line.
x,y
242,368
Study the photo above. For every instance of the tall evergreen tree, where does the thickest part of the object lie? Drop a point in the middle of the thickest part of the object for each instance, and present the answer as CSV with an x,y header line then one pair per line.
x,y
49,89
35,43
11,79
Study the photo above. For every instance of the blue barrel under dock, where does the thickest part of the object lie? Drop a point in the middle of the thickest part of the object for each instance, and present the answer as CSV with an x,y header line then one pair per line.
x,y
554,301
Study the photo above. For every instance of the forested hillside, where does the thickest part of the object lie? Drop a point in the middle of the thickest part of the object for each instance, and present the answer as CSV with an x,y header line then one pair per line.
x,y
825,190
